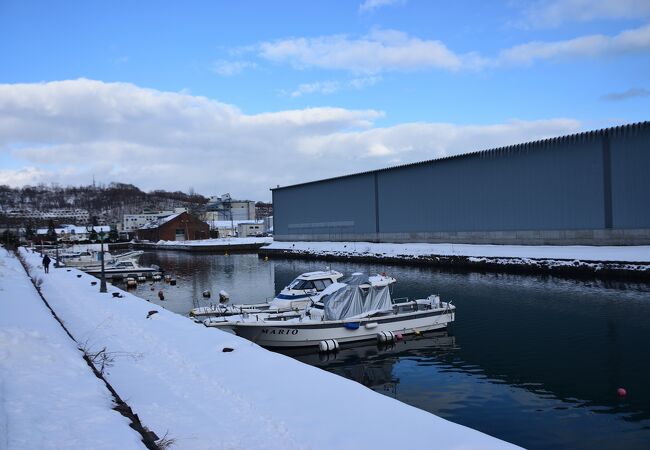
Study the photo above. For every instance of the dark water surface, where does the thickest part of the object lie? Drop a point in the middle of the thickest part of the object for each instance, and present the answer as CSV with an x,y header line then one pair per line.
x,y
533,360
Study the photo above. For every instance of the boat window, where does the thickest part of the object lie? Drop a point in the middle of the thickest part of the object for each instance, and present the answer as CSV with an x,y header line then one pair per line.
x,y
319,285
327,282
307,285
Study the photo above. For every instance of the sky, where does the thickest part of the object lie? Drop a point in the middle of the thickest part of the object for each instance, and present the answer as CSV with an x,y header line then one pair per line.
x,y
239,97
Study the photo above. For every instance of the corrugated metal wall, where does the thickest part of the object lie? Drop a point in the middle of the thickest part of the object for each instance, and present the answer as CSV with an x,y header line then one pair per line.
x,y
590,181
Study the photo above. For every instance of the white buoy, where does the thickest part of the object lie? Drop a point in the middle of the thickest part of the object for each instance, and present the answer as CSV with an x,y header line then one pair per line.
x,y
328,345
385,336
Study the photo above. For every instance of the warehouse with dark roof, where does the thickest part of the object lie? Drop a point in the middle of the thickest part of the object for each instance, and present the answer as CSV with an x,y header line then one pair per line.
x,y
590,188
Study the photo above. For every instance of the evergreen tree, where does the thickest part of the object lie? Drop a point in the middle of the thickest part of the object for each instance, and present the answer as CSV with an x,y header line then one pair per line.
x,y
113,236
51,232
29,231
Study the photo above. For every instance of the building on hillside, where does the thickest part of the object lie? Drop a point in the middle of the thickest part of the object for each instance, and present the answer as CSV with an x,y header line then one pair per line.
x,y
588,188
72,233
263,210
57,215
177,227
225,208
250,229
133,222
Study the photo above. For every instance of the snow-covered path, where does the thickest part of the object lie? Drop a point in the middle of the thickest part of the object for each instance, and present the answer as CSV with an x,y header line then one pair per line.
x,y
49,397
177,378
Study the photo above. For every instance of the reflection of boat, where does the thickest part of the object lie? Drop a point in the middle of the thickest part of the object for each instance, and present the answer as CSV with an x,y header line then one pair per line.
x,y
84,260
121,269
349,312
300,293
372,364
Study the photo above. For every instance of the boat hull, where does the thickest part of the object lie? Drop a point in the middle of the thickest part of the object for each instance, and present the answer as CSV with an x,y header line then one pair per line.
x,y
145,272
307,334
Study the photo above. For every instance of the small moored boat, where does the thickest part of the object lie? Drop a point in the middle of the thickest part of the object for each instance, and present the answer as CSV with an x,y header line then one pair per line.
x,y
300,293
123,269
353,311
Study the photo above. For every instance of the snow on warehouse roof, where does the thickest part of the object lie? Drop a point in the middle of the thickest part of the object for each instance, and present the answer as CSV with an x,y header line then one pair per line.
x,y
158,222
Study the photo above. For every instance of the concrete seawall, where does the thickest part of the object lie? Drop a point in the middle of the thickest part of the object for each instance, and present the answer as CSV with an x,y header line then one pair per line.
x,y
632,270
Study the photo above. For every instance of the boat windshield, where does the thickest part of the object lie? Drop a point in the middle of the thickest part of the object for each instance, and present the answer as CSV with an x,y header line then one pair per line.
x,y
307,285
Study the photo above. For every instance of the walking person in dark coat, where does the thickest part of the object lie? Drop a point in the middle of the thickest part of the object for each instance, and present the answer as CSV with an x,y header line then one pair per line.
x,y
46,263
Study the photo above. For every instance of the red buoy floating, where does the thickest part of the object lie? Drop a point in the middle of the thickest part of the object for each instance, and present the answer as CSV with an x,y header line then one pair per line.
x,y
399,336
621,392
161,296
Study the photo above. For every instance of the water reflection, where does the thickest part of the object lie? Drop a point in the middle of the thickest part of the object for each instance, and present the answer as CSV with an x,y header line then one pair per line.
x,y
535,360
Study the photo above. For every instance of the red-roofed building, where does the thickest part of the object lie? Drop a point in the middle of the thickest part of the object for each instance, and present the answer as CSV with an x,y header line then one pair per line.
x,y
177,227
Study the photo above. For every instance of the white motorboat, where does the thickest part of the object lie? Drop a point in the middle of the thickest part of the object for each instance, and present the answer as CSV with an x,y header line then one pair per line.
x,y
300,293
353,311
122,269
92,259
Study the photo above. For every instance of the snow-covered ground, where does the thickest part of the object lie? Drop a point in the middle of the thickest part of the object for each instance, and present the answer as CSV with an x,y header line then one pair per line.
x,y
572,252
219,241
49,397
177,377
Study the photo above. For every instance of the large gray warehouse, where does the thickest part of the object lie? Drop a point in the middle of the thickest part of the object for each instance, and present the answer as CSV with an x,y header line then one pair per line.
x,y
590,188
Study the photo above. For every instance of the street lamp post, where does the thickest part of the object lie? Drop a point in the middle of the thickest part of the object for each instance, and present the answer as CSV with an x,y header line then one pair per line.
x,y
100,235
56,249
102,284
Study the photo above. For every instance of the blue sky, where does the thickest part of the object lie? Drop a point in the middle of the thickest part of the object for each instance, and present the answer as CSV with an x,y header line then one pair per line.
x,y
365,83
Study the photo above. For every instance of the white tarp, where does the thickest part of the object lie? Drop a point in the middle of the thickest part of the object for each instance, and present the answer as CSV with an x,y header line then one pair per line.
x,y
358,299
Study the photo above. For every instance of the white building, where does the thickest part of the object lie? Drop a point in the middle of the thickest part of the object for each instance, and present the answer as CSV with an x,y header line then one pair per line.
x,y
225,208
132,222
58,215
250,229
73,232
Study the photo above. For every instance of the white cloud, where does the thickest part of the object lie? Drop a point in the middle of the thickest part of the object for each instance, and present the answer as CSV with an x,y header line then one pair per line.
x,y
330,87
380,50
551,13
370,5
66,131
629,41
230,68
320,87
630,93
390,50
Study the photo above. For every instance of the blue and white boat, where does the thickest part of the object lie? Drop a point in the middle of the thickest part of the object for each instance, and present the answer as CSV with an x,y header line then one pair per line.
x,y
300,293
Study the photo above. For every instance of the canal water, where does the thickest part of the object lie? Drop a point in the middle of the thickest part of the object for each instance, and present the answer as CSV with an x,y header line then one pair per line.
x,y
533,360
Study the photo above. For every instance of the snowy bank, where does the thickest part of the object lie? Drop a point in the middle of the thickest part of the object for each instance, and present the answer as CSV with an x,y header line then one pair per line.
x,y
49,396
206,245
606,260
206,388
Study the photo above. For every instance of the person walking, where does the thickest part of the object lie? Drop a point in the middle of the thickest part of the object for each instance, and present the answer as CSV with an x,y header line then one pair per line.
x,y
46,263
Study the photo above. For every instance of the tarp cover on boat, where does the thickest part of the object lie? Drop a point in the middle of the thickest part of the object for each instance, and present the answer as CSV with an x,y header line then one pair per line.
x,y
355,301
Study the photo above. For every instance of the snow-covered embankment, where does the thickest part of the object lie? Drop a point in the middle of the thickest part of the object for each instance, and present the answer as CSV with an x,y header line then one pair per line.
x,y
49,397
182,381
631,261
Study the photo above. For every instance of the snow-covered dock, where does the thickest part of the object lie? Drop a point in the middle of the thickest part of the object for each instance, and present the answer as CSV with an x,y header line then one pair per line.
x,y
232,245
206,388
626,261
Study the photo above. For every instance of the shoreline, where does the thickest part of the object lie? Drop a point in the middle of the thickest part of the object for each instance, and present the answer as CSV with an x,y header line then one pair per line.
x,y
178,376
422,255
230,245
